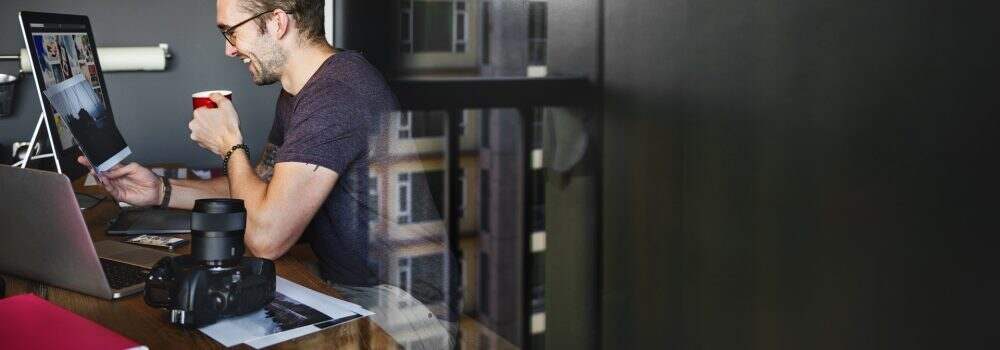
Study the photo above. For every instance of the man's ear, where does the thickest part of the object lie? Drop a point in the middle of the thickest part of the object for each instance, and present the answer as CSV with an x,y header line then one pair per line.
x,y
280,24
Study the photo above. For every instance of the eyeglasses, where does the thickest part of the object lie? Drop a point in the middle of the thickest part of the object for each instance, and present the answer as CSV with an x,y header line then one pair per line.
x,y
230,32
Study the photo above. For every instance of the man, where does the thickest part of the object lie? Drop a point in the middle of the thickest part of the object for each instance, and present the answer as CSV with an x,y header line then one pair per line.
x,y
314,166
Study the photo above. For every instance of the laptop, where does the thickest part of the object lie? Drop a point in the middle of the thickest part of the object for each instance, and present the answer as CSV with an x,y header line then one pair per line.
x,y
46,239
75,101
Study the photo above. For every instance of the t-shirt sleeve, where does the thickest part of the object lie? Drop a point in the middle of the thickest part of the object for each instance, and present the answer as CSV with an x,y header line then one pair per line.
x,y
326,133
277,134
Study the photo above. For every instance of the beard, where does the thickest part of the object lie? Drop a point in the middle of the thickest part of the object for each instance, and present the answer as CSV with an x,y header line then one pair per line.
x,y
267,60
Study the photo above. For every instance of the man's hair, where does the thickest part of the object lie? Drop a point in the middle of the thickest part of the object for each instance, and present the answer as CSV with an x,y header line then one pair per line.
x,y
308,15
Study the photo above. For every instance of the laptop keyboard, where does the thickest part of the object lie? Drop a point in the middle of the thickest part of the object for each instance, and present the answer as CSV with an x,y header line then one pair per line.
x,y
121,275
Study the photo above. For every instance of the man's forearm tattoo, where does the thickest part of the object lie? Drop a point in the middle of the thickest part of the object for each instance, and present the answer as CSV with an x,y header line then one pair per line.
x,y
265,169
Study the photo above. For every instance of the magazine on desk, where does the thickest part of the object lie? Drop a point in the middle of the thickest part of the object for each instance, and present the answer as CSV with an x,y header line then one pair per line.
x,y
295,312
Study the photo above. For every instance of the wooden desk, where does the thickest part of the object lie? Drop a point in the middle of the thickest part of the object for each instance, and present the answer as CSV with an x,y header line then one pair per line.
x,y
132,318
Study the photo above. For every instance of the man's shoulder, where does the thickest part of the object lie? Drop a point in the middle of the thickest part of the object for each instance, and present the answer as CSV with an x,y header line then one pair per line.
x,y
347,84
348,72
331,100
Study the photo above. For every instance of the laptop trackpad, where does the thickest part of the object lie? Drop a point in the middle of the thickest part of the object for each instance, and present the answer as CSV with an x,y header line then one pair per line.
x,y
129,254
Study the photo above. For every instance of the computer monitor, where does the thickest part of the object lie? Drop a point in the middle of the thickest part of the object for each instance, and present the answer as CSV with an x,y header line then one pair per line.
x,y
68,74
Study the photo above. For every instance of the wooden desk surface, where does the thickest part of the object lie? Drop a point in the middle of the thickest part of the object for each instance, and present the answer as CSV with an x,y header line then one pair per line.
x,y
134,319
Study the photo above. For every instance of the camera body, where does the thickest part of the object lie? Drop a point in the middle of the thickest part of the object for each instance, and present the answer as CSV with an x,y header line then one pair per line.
x,y
215,281
196,295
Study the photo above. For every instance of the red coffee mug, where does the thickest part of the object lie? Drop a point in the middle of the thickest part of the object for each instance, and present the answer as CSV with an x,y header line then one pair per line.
x,y
200,99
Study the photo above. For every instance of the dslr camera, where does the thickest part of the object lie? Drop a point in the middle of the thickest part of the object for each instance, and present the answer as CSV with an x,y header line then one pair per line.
x,y
215,281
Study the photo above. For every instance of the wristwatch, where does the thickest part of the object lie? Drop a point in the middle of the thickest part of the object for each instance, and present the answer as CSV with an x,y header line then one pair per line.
x,y
165,203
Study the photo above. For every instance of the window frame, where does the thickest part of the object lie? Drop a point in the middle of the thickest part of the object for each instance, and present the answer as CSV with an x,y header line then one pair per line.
x,y
459,25
407,285
405,125
373,192
404,188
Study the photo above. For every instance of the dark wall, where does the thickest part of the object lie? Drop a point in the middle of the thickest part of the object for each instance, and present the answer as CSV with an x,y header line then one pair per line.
x,y
151,108
798,174
571,197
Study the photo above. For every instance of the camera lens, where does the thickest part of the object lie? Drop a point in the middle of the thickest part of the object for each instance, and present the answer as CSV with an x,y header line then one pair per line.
x,y
217,227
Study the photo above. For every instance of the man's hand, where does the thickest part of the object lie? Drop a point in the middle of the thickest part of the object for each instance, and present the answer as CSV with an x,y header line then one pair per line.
x,y
216,129
132,183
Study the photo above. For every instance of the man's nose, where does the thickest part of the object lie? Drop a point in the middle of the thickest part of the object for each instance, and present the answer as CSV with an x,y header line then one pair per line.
x,y
231,50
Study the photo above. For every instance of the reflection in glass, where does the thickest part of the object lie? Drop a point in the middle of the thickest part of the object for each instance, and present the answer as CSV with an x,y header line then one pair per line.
x,y
472,38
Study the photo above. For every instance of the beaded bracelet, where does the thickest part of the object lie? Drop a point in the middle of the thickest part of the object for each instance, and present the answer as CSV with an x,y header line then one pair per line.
x,y
225,161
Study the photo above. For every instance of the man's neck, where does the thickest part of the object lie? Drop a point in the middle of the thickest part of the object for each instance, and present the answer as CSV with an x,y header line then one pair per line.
x,y
301,66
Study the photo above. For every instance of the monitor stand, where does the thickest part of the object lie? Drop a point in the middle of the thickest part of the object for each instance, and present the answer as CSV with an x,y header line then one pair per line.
x,y
31,145
84,201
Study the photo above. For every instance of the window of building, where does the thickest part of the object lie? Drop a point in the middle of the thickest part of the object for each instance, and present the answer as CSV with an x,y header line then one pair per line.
x,y
487,30
460,27
484,200
420,196
462,191
538,200
484,283
417,124
406,26
484,129
404,198
433,26
405,278
423,277
537,32
373,207
404,124
461,122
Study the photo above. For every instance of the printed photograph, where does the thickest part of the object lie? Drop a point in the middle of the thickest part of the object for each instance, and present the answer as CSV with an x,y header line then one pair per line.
x,y
88,120
287,313
282,314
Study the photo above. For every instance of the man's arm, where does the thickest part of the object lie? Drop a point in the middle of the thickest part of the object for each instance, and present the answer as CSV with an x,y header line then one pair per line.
x,y
278,211
137,185
184,192
265,168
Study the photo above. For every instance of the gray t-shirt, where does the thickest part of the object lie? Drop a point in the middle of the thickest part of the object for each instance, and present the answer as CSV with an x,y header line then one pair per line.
x,y
328,123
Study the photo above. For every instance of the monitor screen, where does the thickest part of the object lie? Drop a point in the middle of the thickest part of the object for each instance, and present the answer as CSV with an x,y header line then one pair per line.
x,y
71,86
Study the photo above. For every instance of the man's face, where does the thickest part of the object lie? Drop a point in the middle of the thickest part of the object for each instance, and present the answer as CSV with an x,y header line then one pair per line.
x,y
260,52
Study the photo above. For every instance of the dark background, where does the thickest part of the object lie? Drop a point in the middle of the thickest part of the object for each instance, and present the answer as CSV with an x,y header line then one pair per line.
x,y
152,109
765,174
798,174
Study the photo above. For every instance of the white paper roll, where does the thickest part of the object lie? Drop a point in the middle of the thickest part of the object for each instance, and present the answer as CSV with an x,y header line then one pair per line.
x,y
118,59
25,62
113,59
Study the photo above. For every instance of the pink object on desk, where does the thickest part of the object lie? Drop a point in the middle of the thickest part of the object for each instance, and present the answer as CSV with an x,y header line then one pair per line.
x,y
28,322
